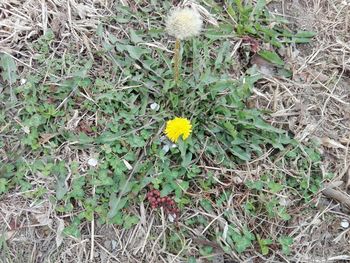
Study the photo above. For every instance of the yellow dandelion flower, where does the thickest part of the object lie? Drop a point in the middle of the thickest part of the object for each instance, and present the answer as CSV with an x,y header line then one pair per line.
x,y
177,127
183,23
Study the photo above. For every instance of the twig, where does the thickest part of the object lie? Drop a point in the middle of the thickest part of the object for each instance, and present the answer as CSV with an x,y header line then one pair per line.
x,y
338,196
92,230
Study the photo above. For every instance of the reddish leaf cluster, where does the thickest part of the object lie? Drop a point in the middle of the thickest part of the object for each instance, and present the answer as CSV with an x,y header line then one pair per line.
x,y
166,202
254,44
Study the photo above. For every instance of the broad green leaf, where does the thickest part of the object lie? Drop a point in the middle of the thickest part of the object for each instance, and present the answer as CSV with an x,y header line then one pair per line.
x,y
258,7
99,30
275,187
264,249
3,185
271,56
72,230
136,52
263,243
108,137
206,205
285,73
230,10
125,186
184,185
9,68
231,129
61,190
129,221
282,213
240,153
261,124
134,37
249,235
186,160
83,138
301,40
222,52
243,244
116,204
239,5
305,34
257,185
286,242
167,189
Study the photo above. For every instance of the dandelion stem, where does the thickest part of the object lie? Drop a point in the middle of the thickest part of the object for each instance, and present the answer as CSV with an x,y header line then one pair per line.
x,y
177,60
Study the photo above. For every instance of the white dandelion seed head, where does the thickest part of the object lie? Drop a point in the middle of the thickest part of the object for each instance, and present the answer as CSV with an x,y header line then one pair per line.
x,y
184,22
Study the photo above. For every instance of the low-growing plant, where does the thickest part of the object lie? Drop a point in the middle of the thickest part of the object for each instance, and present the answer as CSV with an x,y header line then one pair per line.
x,y
128,118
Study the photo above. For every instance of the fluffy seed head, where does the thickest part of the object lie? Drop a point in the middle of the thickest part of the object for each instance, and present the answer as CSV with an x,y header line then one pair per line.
x,y
183,23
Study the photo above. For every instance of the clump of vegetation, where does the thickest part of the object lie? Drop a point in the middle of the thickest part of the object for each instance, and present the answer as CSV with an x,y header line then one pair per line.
x,y
75,111
165,202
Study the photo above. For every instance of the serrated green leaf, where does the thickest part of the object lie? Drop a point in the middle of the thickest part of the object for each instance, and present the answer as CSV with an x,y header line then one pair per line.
x,y
272,57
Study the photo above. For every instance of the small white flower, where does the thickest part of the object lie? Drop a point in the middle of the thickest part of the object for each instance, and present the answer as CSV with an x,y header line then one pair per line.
x,y
26,129
127,164
92,162
23,81
172,217
166,148
345,223
163,139
284,201
155,106
183,23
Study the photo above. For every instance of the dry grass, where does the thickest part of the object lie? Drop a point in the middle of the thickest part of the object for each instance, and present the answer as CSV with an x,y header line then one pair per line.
x,y
314,104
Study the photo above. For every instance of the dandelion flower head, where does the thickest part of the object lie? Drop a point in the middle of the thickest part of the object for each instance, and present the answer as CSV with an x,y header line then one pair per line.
x,y
177,127
184,22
